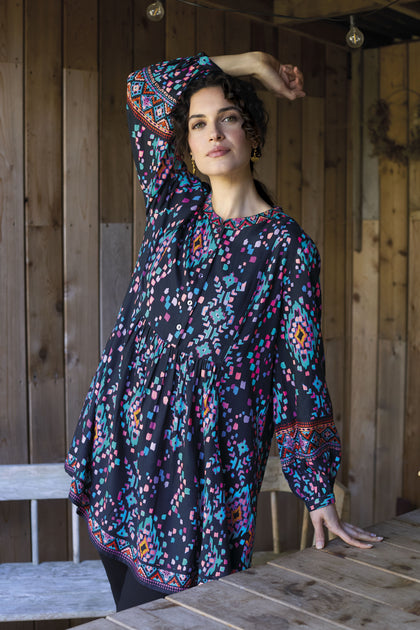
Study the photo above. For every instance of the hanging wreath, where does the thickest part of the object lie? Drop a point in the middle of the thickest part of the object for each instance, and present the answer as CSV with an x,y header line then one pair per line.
x,y
379,122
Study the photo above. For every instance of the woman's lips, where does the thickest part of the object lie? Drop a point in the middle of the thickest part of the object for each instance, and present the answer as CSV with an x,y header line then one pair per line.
x,y
217,152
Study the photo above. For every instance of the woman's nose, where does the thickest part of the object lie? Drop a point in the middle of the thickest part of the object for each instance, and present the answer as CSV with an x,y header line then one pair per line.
x,y
215,133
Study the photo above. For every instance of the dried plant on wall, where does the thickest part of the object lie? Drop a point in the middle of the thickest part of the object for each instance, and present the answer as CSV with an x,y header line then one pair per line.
x,y
379,122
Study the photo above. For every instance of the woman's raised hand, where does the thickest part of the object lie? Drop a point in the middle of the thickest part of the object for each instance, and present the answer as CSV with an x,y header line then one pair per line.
x,y
352,535
284,80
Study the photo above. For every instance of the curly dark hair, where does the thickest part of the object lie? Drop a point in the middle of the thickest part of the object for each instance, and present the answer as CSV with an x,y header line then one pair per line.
x,y
239,92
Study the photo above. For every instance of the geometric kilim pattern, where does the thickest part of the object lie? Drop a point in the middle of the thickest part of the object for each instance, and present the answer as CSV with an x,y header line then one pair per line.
x,y
216,345
301,334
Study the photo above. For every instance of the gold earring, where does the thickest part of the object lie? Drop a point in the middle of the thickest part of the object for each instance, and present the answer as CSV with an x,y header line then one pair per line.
x,y
193,164
255,155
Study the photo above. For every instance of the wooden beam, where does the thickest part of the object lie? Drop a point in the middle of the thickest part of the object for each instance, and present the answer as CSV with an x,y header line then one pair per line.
x,y
259,11
412,9
241,6
319,9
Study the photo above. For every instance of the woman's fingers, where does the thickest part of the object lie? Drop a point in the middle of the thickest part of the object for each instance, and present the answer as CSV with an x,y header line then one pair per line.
x,y
293,79
361,534
350,534
353,536
282,79
319,535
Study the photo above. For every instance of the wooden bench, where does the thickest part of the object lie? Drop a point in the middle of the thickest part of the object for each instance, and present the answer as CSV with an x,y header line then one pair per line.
x,y
31,591
74,589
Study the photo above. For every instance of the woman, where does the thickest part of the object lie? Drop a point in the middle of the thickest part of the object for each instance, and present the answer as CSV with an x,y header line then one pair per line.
x,y
217,344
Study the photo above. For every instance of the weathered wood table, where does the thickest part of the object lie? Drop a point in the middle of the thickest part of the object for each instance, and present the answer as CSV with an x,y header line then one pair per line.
x,y
339,587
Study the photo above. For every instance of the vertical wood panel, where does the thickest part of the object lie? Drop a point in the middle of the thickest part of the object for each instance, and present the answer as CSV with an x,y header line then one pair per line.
x,y
12,260
313,66
264,38
180,29
149,37
44,256
14,518
392,292
370,166
313,139
115,155
148,47
81,236
210,40
81,244
393,191
237,34
362,433
289,135
80,52
116,172
11,49
334,261
364,376
44,238
411,480
313,131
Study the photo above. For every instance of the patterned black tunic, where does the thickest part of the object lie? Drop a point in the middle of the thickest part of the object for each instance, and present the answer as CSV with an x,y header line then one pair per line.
x,y
217,344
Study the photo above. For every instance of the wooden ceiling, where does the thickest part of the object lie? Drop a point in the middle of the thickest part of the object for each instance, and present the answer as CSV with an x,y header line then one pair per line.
x,y
335,8
383,22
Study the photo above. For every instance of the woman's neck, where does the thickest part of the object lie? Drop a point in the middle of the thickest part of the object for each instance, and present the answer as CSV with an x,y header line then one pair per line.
x,y
233,200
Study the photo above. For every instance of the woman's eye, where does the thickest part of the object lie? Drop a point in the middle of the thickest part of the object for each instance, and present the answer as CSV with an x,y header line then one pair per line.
x,y
197,125
230,118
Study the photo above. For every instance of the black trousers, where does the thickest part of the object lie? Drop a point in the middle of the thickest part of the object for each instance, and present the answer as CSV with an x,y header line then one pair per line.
x,y
127,591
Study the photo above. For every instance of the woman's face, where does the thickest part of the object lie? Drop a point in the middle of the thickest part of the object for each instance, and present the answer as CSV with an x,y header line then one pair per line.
x,y
216,138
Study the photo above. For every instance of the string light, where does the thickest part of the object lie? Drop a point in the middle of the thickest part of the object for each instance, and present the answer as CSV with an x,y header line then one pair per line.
x,y
354,37
155,11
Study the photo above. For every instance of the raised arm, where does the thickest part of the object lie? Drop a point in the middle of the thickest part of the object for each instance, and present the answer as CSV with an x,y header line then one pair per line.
x,y
151,95
284,80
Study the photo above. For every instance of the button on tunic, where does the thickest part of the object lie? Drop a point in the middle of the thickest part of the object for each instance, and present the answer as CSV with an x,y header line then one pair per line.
x,y
217,344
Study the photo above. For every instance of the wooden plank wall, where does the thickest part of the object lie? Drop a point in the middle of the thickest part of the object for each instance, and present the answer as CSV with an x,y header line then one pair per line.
x,y
14,444
66,254
384,428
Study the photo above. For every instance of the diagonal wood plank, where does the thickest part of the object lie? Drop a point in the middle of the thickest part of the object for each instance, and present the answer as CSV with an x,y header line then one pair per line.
x,y
410,517
356,578
383,556
102,624
164,615
221,601
312,596
398,533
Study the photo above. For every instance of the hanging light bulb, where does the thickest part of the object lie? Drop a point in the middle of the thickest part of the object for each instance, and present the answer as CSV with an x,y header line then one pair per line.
x,y
354,37
155,11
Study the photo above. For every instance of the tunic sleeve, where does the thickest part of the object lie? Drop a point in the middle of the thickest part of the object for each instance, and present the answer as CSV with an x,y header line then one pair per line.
x,y
151,95
308,443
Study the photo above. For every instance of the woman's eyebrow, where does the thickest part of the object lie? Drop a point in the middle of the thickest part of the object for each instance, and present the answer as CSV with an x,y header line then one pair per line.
x,y
220,111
